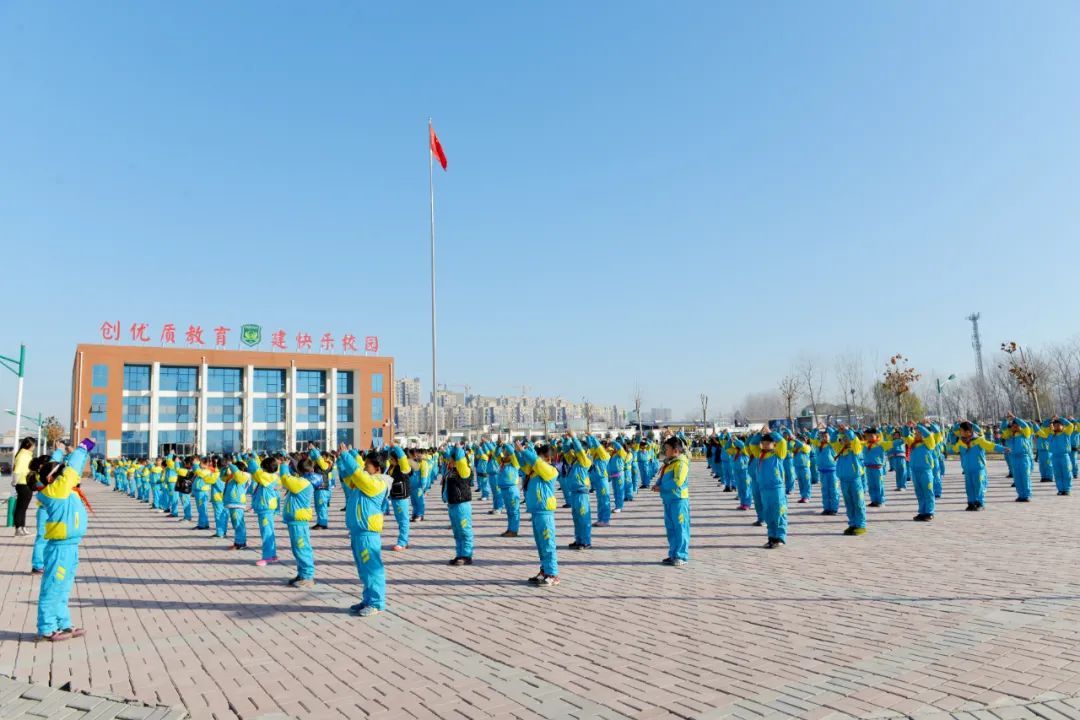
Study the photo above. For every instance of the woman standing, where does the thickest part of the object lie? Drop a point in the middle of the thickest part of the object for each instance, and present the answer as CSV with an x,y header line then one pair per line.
x,y
24,491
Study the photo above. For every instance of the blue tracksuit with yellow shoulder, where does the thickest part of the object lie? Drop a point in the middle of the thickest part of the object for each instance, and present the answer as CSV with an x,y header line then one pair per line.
x,y
770,481
598,477
923,458
850,472
825,459
578,483
973,462
236,502
264,501
65,525
540,502
507,482
1059,446
459,505
674,485
875,460
297,514
365,495
1017,437
799,452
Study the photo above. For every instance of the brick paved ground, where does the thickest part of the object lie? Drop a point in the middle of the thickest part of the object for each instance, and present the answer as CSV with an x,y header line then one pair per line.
x,y
975,615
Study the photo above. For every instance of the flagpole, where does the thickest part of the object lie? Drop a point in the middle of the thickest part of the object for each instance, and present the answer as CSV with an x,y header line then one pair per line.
x,y
434,345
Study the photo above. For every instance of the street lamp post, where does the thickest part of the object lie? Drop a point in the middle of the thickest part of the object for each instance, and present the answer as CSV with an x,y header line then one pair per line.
x,y
940,387
18,367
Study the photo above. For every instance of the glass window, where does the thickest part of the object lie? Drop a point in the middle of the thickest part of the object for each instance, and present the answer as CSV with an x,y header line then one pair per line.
x,y
225,379
223,441
376,382
345,382
345,410
137,410
220,409
315,436
310,381
99,376
97,407
376,409
311,410
135,443
177,409
269,410
377,437
180,379
136,377
271,381
345,435
98,436
267,440
181,442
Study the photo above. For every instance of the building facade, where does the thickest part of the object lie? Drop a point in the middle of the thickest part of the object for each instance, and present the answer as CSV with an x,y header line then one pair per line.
x,y
135,401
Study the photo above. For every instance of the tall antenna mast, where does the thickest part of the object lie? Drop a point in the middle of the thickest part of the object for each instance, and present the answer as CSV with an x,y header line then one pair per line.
x,y
976,344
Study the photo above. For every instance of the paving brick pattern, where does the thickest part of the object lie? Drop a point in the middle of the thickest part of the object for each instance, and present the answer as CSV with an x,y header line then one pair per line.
x,y
975,615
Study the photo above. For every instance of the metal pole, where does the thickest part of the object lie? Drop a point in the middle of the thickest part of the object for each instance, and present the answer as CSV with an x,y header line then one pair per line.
x,y
434,342
19,393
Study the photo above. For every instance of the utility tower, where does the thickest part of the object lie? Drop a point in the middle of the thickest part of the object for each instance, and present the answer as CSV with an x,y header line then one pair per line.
x,y
976,344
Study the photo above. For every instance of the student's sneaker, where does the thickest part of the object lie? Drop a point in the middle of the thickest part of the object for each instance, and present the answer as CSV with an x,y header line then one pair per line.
x,y
535,579
859,531
849,531
667,561
875,504
414,518
549,581
492,511
743,507
457,561
369,611
923,517
357,608
600,523
617,510
55,636
262,562
1023,499
295,580
565,506
74,632
678,562
509,533
399,548
466,561
1046,480
979,506
573,546
37,571
774,543
759,523
803,501
305,583
583,547
727,489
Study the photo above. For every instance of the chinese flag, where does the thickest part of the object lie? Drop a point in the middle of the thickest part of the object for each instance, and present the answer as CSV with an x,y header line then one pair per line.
x,y
436,147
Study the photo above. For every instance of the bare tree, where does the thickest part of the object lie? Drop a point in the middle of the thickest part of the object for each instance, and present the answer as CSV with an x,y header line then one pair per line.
x,y
813,378
897,381
762,406
851,379
790,390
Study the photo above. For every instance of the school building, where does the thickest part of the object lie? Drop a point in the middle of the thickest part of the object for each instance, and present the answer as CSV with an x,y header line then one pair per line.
x,y
136,400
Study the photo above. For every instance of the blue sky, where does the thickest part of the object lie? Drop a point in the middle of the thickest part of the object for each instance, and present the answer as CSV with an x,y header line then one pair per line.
x,y
685,196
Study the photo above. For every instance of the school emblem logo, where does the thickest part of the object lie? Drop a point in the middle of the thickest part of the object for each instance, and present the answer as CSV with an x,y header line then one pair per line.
x,y
251,335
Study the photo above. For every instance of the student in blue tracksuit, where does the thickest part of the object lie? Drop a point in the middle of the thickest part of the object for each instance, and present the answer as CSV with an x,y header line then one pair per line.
x,y
825,459
1017,438
851,473
400,471
789,463
324,486
800,453
898,459
738,462
509,489
366,491
772,449
459,502
875,461
753,451
923,457
674,488
235,500
65,526
1058,434
577,463
598,478
264,501
1042,448
418,484
297,513
972,448
540,502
